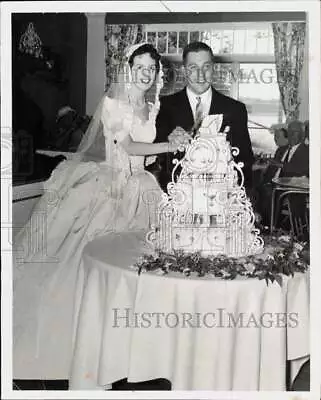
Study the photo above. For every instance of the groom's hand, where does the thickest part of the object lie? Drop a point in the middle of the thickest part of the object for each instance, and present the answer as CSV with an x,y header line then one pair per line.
x,y
179,136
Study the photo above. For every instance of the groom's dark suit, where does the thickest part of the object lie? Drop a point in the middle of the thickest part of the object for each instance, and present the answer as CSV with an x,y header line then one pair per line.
x,y
175,110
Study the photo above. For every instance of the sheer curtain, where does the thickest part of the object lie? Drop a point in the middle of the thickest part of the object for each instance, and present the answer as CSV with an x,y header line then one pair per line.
x,y
289,40
117,38
304,83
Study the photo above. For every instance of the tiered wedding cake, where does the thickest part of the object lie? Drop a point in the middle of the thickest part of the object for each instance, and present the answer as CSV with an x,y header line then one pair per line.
x,y
207,210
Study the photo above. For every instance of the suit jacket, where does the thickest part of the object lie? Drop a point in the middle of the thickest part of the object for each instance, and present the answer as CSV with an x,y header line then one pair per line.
x,y
297,166
175,110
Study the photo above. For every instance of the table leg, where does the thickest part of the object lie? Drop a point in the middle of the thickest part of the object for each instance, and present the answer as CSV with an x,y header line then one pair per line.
x,y
272,211
291,218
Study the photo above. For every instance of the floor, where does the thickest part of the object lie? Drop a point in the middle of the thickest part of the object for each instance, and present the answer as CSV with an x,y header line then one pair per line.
x,y
301,383
157,384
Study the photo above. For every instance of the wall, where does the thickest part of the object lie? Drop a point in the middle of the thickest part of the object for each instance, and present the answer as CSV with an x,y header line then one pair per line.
x,y
184,18
77,51
95,80
64,37
41,86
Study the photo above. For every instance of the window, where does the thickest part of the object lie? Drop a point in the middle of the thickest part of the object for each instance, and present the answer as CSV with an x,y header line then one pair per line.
x,y
258,89
237,38
245,68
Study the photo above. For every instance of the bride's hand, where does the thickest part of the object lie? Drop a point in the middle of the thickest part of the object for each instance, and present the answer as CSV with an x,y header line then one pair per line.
x,y
173,147
179,135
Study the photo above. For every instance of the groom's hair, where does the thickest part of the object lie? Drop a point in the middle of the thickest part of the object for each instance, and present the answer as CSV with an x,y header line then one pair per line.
x,y
195,47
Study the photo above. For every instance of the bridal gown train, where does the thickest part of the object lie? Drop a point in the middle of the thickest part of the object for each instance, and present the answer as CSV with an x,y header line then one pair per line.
x,y
81,201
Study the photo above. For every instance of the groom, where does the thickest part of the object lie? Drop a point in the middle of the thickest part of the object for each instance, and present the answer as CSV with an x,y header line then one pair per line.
x,y
181,113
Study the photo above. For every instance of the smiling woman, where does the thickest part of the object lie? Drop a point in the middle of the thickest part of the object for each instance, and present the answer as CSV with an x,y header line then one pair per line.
x,y
144,65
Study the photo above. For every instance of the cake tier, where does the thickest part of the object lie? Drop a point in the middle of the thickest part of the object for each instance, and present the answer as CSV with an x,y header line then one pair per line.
x,y
207,234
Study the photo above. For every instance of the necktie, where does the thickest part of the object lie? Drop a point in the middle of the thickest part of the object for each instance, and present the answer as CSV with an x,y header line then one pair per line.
x,y
285,161
287,157
198,114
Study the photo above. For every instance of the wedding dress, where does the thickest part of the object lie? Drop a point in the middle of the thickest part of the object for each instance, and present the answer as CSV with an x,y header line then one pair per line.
x,y
81,201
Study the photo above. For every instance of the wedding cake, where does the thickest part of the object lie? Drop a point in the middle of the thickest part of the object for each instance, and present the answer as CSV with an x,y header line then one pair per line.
x,y
206,209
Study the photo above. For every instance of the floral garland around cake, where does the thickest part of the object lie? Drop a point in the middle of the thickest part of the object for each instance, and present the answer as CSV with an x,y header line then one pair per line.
x,y
283,255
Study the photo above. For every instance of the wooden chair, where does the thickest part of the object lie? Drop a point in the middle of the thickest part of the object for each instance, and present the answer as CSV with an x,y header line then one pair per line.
x,y
299,223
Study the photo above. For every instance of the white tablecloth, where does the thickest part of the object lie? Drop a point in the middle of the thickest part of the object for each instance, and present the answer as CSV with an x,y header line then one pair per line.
x,y
115,337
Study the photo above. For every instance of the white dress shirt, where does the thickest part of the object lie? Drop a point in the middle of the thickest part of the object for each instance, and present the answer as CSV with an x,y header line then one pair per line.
x,y
206,99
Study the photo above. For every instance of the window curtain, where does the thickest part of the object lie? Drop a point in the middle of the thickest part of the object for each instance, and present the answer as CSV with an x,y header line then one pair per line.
x,y
117,38
289,41
304,83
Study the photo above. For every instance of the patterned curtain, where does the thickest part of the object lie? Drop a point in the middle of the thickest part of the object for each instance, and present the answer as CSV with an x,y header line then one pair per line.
x,y
289,55
117,38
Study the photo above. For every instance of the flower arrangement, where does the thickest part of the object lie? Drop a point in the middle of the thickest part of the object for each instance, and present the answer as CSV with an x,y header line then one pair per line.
x,y
283,255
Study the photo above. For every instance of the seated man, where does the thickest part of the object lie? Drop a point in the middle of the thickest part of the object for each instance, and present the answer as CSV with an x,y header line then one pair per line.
x,y
280,137
290,160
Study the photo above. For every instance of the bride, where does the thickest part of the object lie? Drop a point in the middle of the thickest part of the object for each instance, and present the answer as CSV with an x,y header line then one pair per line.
x,y
103,188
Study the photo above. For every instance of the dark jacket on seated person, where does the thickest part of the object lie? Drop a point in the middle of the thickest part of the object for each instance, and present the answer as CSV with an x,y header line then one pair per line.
x,y
298,165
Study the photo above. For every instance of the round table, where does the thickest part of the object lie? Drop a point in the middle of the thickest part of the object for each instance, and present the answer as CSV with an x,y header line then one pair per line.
x,y
200,334
301,182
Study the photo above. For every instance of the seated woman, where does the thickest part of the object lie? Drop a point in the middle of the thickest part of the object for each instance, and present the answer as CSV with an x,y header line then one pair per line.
x,y
104,188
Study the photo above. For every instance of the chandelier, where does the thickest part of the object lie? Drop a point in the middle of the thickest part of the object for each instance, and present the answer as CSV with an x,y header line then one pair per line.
x,y
30,42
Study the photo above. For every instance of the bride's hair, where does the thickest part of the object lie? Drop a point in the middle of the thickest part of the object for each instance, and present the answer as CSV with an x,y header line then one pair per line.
x,y
146,49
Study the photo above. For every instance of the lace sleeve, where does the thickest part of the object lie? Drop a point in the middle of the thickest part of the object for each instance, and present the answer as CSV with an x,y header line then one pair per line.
x,y
115,119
